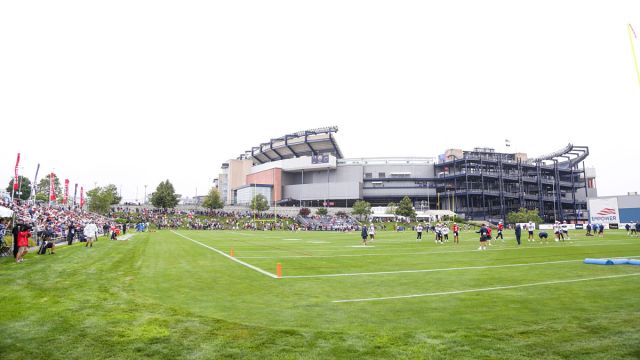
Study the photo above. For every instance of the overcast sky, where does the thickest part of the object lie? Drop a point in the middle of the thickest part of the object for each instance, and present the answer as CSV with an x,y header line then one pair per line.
x,y
136,92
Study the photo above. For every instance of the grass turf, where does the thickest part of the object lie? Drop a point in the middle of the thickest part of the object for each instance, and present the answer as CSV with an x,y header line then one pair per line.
x,y
160,295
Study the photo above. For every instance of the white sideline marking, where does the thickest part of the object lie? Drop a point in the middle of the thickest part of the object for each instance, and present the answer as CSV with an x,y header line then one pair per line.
x,y
485,289
229,257
239,233
394,254
319,242
291,239
431,270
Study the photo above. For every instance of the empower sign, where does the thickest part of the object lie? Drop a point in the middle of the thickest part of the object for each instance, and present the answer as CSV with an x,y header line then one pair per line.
x,y
604,211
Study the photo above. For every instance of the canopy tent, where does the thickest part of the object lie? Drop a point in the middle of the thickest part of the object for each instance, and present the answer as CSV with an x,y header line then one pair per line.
x,y
5,212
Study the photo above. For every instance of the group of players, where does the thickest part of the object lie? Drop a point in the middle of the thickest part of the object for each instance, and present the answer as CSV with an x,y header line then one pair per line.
x,y
561,232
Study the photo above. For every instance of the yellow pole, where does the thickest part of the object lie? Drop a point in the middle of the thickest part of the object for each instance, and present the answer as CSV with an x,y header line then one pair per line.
x,y
633,51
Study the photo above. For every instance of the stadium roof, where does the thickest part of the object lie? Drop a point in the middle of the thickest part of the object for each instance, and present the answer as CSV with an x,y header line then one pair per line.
x,y
302,143
569,155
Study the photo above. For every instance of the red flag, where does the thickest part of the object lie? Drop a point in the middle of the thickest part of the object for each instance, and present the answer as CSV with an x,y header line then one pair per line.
x,y
66,191
52,188
81,197
15,180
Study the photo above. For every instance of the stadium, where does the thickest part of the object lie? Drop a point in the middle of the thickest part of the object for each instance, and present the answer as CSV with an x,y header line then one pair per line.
x,y
307,168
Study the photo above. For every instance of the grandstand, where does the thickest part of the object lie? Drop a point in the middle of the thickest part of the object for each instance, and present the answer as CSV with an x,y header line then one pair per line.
x,y
307,168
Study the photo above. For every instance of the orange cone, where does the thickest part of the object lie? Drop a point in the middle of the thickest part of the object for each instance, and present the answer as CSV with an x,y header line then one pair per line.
x,y
279,270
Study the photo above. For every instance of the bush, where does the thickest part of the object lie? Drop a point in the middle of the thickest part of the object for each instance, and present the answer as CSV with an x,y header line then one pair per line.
x,y
322,211
304,212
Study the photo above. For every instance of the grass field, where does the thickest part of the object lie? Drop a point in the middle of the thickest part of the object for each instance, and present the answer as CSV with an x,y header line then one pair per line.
x,y
180,295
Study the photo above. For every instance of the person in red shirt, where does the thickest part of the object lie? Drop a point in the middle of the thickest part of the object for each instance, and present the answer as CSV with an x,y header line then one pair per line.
x,y
23,243
500,228
456,233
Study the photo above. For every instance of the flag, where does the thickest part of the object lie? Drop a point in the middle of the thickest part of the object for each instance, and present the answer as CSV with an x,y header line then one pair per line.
x,y
66,191
81,197
52,188
35,181
75,193
15,180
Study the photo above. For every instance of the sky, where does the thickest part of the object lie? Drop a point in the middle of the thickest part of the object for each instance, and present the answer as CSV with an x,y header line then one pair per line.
x,y
133,93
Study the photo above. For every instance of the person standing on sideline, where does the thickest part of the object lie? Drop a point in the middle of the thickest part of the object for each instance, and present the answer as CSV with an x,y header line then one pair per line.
x,y
15,231
23,243
419,230
500,228
71,232
518,233
3,230
105,229
124,229
91,233
372,232
456,233
363,234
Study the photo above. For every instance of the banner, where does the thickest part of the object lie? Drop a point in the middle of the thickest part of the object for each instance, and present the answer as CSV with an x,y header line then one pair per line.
x,y
75,195
52,188
15,180
81,197
66,191
604,211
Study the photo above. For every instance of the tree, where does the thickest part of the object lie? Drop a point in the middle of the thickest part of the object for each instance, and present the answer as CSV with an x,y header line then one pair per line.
x,y
405,208
304,212
25,187
165,196
361,208
212,200
391,208
43,186
523,216
322,211
115,198
99,200
259,203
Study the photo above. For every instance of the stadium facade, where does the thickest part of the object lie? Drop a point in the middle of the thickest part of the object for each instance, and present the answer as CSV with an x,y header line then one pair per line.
x,y
308,168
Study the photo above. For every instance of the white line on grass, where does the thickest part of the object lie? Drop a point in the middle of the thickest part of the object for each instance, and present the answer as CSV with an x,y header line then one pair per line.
x,y
430,270
411,253
485,289
229,257
444,269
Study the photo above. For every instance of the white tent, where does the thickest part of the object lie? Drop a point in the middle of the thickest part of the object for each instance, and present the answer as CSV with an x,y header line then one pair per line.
x,y
5,212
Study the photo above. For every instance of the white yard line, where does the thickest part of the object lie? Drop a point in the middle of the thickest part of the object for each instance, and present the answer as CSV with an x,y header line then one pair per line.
x,y
446,269
229,257
429,270
485,289
411,253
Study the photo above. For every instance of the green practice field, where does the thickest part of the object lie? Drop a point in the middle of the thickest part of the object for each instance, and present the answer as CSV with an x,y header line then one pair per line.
x,y
180,294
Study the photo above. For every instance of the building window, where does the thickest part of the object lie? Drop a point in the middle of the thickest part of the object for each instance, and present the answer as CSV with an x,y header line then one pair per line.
x,y
381,175
368,175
